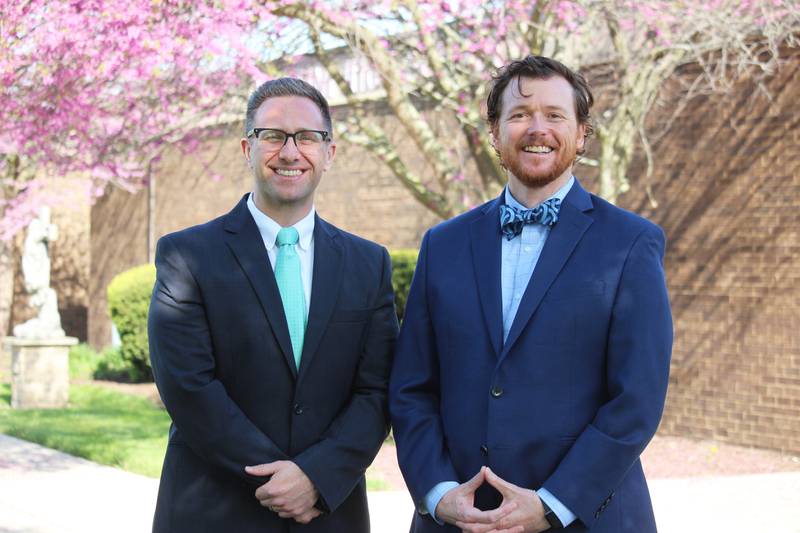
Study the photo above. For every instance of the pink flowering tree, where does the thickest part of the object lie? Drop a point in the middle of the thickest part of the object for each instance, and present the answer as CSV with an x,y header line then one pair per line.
x,y
100,87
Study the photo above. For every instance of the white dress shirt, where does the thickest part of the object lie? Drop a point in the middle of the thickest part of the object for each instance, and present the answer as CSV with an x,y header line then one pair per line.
x,y
269,229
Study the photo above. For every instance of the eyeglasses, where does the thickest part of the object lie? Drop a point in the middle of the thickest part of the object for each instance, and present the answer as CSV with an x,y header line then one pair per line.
x,y
276,139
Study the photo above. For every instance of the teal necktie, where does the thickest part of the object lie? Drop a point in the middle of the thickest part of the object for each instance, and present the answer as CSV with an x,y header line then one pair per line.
x,y
290,285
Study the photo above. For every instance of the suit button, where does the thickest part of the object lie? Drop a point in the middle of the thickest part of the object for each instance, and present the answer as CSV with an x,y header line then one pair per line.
x,y
298,409
485,450
497,391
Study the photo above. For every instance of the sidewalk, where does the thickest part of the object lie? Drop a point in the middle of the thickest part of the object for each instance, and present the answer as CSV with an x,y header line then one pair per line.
x,y
46,491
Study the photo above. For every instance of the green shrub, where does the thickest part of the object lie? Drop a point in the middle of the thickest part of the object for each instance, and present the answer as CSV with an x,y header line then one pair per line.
x,y
128,302
86,363
113,367
83,361
403,264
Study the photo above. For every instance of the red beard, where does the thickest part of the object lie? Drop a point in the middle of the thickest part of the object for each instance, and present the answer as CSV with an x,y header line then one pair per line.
x,y
538,175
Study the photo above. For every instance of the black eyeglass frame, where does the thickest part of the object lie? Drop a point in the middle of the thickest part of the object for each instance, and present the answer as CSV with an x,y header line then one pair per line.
x,y
253,133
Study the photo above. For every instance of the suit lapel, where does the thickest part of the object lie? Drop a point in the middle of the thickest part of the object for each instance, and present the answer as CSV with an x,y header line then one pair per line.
x,y
326,279
565,235
485,233
244,240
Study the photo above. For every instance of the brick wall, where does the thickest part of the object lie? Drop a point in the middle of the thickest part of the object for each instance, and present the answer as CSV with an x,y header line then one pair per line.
x,y
728,183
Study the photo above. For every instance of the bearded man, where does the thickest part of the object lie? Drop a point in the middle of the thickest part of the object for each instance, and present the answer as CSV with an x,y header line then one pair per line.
x,y
533,362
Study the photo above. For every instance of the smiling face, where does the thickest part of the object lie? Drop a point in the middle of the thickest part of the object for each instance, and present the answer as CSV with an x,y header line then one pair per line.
x,y
285,179
537,133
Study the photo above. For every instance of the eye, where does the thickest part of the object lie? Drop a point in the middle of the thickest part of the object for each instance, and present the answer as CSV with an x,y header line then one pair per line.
x,y
309,137
272,136
555,116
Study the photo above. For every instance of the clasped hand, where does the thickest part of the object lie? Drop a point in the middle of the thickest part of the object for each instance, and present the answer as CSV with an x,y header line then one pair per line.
x,y
289,492
521,510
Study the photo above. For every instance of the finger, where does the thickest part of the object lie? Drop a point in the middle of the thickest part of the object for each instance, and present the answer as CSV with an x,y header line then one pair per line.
x,y
515,529
308,516
470,527
473,515
270,500
503,486
270,494
289,511
476,481
507,507
266,469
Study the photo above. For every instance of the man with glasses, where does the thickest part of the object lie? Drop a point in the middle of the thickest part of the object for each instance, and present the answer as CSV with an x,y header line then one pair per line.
x,y
271,333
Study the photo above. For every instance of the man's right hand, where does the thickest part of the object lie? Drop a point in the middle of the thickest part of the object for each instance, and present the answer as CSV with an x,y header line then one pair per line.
x,y
289,492
457,507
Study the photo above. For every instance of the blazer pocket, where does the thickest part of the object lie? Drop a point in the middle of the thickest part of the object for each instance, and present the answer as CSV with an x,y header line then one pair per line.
x,y
577,291
351,315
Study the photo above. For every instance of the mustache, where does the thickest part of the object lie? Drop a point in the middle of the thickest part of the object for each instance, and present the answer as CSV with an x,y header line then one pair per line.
x,y
538,139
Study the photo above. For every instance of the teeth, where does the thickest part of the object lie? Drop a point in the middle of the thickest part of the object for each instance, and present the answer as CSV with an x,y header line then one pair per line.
x,y
288,172
538,149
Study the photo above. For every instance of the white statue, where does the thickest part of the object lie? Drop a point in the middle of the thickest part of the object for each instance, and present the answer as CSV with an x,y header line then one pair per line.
x,y
36,270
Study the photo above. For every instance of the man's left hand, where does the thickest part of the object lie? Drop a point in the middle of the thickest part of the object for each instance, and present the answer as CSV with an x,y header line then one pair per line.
x,y
289,492
529,512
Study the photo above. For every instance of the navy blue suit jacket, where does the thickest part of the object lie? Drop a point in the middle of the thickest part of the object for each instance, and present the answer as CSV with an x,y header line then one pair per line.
x,y
573,395
222,359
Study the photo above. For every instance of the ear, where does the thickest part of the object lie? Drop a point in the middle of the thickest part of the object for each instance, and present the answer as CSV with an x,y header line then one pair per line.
x,y
246,151
331,151
580,140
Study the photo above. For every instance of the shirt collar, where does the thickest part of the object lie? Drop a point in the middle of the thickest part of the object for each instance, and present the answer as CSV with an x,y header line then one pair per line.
x,y
269,228
560,194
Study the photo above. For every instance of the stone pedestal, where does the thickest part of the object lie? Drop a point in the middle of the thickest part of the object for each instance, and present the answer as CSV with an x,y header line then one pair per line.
x,y
39,371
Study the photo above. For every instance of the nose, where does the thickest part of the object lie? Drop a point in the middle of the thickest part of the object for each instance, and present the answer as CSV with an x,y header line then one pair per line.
x,y
289,151
536,124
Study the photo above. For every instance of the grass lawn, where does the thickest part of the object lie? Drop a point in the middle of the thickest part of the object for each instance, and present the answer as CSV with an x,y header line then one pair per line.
x,y
104,426
101,425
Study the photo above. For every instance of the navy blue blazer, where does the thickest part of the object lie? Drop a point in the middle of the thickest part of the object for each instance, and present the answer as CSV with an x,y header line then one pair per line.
x,y
574,394
222,360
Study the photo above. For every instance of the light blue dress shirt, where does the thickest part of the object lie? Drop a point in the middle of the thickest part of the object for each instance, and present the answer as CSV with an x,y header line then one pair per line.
x,y
518,259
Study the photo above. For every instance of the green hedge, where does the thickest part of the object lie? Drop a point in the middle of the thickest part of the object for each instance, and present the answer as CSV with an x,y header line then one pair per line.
x,y
128,302
85,363
403,264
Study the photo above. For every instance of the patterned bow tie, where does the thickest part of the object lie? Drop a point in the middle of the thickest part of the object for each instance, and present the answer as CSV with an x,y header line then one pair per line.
x,y
512,219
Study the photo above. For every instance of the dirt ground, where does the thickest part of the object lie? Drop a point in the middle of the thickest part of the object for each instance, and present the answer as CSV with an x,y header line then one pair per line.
x,y
665,457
